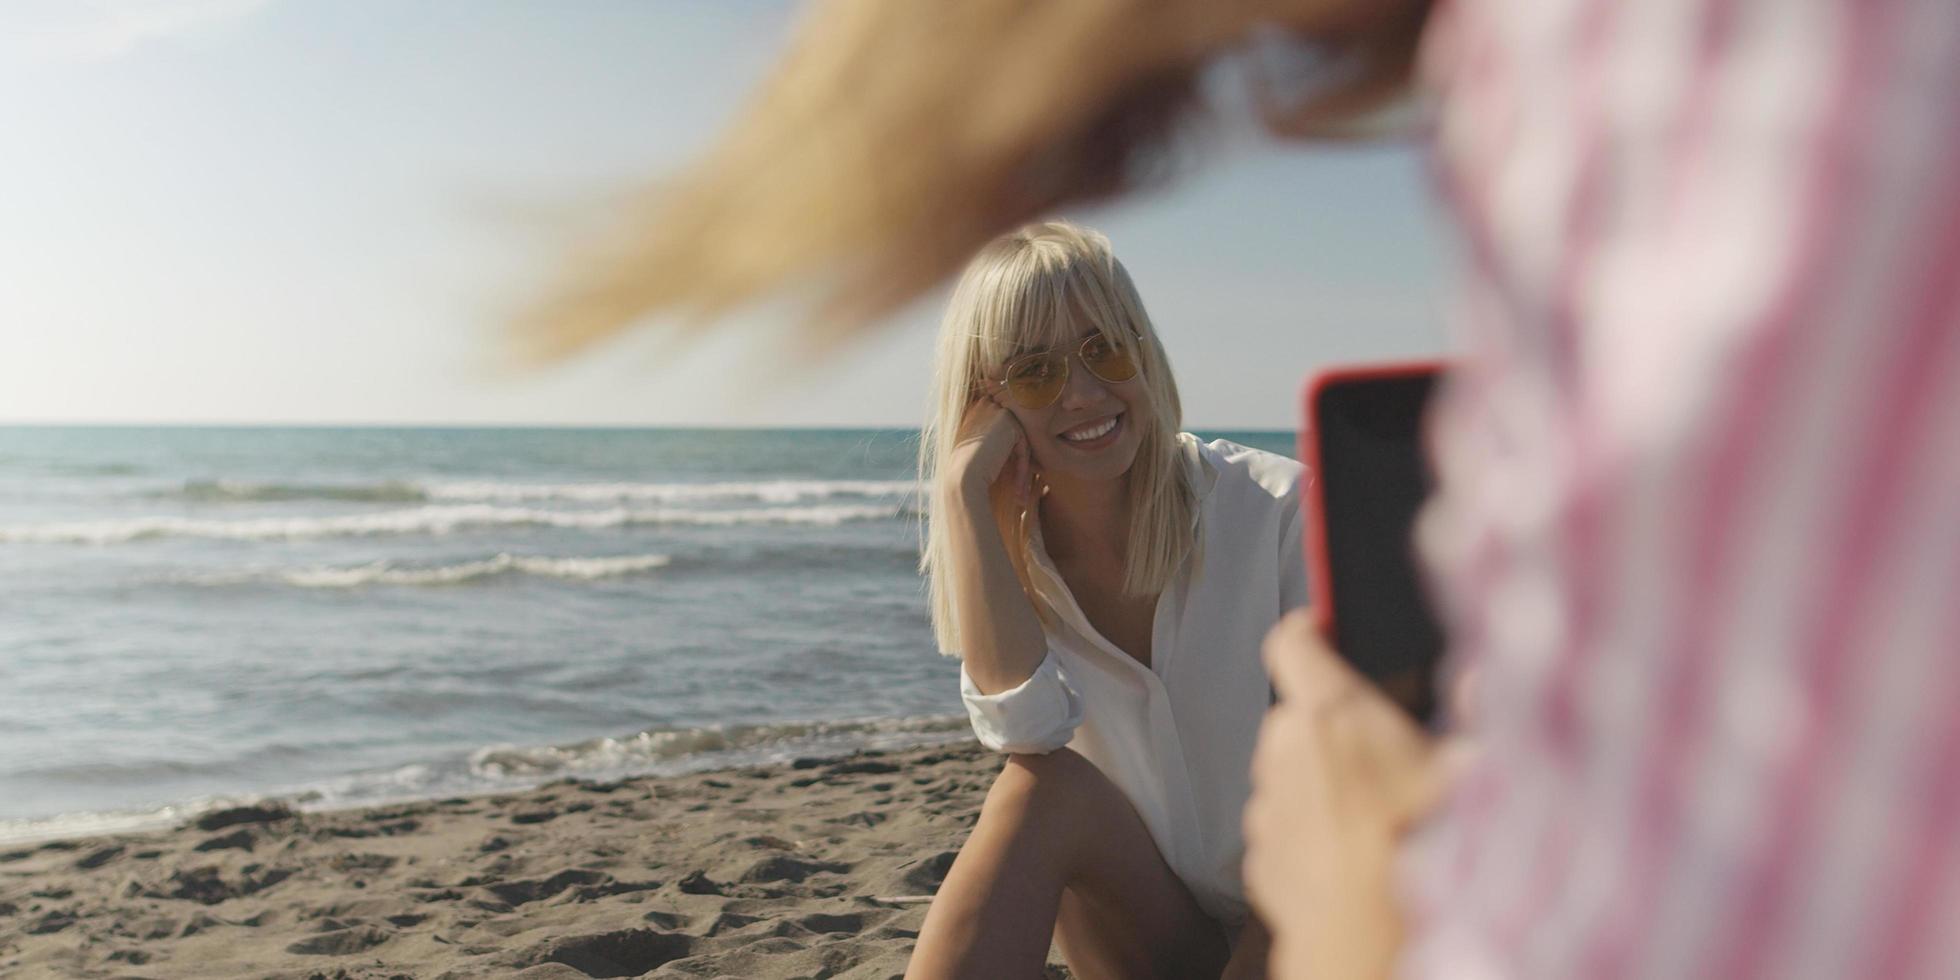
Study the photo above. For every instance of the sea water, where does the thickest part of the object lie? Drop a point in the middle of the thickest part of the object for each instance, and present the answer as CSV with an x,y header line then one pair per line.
x,y
191,617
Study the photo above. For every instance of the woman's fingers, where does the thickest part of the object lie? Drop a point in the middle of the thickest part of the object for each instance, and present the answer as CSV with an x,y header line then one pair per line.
x,y
995,453
990,431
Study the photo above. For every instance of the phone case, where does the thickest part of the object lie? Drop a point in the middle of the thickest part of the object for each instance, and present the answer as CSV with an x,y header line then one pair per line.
x,y
1320,579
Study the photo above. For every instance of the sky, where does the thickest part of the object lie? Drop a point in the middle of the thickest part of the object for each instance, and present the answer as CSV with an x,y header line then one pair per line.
x,y
321,211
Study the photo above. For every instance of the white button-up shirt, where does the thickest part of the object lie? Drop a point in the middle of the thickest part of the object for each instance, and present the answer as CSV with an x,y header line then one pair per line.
x,y
1176,737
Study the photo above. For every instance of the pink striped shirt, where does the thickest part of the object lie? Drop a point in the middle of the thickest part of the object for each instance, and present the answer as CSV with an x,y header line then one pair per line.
x,y
1699,508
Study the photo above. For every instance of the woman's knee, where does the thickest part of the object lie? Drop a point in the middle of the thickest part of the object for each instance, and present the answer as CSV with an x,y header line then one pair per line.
x,y
1058,789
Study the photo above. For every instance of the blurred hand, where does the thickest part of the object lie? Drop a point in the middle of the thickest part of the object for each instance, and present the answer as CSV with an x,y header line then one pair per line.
x,y
1340,773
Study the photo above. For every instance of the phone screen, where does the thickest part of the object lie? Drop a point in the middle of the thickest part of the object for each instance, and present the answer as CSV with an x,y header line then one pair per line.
x,y
1374,479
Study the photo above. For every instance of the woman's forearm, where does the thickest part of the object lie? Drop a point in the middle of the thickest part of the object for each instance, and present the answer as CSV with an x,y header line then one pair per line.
x,y
1000,636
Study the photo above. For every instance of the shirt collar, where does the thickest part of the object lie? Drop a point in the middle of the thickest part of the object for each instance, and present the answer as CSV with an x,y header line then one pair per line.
x,y
1201,467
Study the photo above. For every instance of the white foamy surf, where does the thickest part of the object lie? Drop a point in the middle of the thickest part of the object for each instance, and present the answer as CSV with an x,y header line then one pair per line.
x,y
768,491
432,520
489,491
396,573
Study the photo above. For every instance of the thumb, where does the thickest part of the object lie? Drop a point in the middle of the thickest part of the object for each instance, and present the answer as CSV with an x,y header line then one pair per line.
x,y
1419,785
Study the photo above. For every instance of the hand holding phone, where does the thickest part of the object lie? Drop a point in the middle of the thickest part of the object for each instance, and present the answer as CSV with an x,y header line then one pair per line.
x,y
1368,476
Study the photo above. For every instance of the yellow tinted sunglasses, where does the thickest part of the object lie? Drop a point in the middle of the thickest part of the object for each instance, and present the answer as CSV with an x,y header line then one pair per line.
x,y
1034,381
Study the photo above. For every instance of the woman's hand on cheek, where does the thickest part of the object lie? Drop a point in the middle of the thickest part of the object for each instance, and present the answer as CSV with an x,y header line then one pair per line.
x,y
991,468
1017,477
989,444
1339,774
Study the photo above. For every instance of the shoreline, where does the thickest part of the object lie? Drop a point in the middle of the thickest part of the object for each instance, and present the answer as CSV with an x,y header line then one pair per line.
x,y
753,745
771,871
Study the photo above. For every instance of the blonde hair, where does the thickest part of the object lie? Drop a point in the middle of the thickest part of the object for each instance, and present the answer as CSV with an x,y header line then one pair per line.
x,y
1037,287
897,136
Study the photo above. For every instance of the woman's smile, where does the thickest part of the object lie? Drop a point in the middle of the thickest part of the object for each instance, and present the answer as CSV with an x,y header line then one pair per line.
x,y
1094,434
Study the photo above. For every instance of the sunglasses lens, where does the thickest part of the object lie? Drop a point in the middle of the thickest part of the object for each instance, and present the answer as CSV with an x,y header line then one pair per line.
x,y
1033,382
1107,361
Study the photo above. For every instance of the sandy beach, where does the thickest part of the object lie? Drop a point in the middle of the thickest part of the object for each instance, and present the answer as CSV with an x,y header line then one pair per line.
x,y
771,872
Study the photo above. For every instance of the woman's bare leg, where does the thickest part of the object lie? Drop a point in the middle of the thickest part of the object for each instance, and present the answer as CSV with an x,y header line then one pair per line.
x,y
1058,851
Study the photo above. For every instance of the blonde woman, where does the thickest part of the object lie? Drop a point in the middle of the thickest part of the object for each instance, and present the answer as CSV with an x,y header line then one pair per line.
x,y
1106,581
1698,491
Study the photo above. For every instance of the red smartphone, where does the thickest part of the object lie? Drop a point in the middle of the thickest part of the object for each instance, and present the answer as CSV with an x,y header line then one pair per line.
x,y
1368,475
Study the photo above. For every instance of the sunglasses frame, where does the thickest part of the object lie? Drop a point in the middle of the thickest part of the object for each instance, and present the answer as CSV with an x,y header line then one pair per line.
x,y
1007,370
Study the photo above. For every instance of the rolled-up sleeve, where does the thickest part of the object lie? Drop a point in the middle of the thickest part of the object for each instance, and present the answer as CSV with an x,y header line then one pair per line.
x,y
1038,716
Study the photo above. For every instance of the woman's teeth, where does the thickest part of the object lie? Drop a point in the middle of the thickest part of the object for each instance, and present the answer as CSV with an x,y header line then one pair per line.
x,y
1093,432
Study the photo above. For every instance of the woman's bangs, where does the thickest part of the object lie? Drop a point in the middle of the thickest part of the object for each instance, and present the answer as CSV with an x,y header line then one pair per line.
x,y
1042,300
1094,303
1026,316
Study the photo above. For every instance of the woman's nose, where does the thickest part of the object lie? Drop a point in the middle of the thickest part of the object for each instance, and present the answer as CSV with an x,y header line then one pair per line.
x,y
1083,388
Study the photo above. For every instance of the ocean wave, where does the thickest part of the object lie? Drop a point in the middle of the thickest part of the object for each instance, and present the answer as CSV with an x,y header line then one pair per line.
x,y
817,558
649,748
242,491
90,469
764,491
483,491
393,573
432,520
30,830
110,772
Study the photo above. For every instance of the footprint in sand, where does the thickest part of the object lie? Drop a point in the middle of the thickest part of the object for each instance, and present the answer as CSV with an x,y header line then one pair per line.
x,y
100,857
729,922
624,953
782,867
698,883
52,922
380,829
373,863
851,922
149,929
669,921
583,886
862,818
861,766
242,840
266,813
207,887
341,942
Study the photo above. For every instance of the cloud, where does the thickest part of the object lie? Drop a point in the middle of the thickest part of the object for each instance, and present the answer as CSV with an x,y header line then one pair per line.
x,y
70,31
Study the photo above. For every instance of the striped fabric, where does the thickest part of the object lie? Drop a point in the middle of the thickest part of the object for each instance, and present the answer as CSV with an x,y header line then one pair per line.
x,y
1699,517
